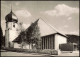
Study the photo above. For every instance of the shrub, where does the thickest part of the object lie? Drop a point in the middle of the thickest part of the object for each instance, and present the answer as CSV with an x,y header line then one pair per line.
x,y
31,50
54,52
49,51
45,51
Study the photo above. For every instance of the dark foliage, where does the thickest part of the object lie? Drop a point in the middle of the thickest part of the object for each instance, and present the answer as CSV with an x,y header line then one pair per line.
x,y
30,36
73,39
2,38
33,34
45,51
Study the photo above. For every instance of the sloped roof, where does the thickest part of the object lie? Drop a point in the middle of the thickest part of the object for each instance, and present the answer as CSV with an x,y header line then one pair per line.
x,y
18,39
45,29
55,34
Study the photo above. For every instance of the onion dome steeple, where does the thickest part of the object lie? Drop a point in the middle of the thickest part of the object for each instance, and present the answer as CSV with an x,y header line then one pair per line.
x,y
11,17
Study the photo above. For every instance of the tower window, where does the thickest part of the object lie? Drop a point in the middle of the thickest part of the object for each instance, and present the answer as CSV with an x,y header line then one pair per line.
x,y
13,25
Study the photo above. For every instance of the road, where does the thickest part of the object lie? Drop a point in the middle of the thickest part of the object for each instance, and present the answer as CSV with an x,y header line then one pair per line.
x,y
8,53
66,54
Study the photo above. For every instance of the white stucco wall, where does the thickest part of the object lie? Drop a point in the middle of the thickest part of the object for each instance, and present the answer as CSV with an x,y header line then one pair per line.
x,y
10,25
16,45
12,35
27,46
59,40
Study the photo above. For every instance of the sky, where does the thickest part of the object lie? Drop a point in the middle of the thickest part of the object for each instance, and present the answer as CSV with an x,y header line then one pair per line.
x,y
62,15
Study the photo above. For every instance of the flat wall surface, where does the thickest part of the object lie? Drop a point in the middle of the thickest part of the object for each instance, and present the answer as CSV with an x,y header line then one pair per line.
x,y
12,35
16,45
59,40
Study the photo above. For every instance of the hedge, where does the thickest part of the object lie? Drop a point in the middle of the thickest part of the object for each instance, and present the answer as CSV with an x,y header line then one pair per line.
x,y
44,51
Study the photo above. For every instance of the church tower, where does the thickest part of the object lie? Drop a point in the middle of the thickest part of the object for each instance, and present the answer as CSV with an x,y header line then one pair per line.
x,y
11,29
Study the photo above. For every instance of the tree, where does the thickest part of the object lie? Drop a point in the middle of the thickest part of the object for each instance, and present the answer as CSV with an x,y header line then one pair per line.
x,y
30,36
73,39
2,38
33,35
22,34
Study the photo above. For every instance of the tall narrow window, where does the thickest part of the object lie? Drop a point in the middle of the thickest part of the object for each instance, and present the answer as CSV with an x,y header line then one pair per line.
x,y
13,24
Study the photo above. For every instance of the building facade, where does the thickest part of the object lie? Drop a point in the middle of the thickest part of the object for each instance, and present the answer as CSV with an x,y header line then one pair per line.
x,y
53,41
11,29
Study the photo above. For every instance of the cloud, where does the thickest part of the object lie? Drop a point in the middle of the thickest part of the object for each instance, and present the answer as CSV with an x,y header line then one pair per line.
x,y
66,26
75,32
23,13
25,26
69,18
17,3
62,10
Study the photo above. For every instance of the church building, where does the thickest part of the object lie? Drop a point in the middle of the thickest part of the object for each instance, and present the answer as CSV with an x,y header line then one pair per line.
x,y
11,29
49,41
53,41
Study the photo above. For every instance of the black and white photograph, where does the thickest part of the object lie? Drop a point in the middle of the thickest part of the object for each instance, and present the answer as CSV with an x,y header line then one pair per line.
x,y
40,28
